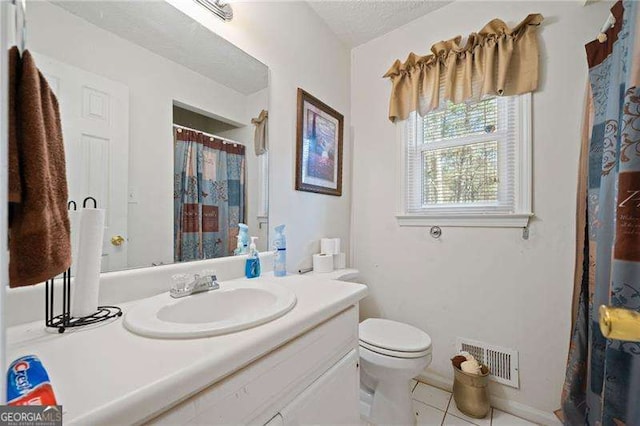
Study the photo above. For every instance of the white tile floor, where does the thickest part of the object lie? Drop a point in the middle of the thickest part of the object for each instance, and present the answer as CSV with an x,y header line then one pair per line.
x,y
434,406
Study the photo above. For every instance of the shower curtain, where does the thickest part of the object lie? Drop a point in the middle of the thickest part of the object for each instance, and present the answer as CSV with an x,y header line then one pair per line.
x,y
209,195
602,384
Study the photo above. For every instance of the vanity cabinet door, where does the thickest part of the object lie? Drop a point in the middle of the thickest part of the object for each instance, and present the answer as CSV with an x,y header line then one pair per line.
x,y
332,399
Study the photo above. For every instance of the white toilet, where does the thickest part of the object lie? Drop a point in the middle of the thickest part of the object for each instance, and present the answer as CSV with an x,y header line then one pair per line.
x,y
391,354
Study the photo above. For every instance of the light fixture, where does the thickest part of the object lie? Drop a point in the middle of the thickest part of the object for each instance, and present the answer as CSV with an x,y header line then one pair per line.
x,y
220,8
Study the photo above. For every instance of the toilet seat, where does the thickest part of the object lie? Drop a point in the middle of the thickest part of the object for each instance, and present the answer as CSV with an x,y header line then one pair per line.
x,y
395,339
395,354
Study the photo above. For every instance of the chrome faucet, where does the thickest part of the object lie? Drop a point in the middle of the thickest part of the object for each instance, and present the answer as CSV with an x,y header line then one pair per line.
x,y
188,284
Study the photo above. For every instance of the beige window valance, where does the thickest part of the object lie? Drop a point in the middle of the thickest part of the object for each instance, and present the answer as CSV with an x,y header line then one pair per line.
x,y
495,61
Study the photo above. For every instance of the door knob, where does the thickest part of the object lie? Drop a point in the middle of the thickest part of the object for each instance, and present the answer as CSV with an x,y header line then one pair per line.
x,y
117,240
619,323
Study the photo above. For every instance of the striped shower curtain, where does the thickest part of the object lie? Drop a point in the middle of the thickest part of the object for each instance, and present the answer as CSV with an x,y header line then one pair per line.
x,y
602,385
209,195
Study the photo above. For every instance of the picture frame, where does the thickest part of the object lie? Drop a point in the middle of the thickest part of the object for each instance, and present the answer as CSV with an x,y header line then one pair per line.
x,y
319,144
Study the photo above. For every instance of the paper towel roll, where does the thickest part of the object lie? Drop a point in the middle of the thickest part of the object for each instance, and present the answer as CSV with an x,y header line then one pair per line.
x,y
74,222
339,261
327,246
323,263
84,300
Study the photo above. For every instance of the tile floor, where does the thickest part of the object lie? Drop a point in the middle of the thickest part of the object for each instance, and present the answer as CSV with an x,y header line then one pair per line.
x,y
434,406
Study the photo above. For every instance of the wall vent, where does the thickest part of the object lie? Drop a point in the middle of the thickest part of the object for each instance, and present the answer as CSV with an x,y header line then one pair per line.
x,y
502,362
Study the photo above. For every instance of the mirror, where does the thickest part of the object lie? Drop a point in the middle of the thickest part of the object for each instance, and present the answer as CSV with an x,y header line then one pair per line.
x,y
156,113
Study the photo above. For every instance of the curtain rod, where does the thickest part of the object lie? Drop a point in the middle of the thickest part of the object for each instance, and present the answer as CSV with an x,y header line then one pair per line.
x,y
211,135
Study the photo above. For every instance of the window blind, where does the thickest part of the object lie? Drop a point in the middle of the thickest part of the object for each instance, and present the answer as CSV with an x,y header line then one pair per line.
x,y
461,158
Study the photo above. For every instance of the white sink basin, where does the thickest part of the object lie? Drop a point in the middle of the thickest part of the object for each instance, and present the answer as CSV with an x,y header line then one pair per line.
x,y
235,306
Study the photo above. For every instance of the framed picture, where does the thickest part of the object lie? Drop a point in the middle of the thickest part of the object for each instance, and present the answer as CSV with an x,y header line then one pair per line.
x,y
318,146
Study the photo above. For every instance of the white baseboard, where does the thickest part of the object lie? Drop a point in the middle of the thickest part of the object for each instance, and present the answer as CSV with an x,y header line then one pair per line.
x,y
436,380
508,406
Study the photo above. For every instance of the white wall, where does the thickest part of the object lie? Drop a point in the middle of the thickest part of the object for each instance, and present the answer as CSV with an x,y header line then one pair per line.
x,y
484,284
300,51
154,83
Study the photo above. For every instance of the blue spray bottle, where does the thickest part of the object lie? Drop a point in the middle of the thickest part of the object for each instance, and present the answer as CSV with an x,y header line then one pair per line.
x,y
244,237
252,267
280,245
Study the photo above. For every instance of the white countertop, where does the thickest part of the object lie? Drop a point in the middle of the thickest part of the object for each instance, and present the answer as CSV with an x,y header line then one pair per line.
x,y
108,375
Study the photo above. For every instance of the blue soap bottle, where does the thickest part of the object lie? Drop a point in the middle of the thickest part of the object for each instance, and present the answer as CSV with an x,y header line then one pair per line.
x,y
280,245
252,267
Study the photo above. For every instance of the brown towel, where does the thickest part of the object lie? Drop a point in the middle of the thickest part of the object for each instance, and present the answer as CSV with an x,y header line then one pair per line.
x,y
39,237
15,188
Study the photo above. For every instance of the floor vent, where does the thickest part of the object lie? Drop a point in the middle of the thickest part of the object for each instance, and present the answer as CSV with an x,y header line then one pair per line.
x,y
502,362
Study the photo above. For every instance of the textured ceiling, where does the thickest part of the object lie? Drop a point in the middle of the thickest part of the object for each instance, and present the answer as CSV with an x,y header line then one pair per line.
x,y
166,31
358,21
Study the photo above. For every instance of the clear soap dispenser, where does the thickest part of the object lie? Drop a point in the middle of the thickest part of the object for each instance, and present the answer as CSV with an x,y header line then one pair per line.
x,y
252,267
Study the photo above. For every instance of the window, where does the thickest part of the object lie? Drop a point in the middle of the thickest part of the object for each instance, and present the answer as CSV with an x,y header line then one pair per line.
x,y
468,164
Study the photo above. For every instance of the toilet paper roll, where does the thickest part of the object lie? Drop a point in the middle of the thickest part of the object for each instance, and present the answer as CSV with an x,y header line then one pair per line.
x,y
336,248
327,246
323,263
340,261
86,286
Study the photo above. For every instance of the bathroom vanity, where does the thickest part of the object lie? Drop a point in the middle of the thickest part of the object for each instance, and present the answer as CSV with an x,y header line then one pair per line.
x,y
311,379
299,368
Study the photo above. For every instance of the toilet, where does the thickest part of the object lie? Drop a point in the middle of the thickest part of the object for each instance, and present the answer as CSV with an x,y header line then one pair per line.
x,y
391,355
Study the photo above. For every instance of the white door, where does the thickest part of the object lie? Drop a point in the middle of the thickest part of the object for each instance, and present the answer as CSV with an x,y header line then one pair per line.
x,y
333,399
95,123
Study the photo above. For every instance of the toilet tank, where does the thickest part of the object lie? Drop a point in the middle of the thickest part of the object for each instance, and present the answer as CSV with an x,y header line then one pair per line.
x,y
348,275
352,276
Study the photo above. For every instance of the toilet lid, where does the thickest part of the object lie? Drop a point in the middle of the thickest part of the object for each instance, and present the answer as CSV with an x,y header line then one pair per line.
x,y
393,336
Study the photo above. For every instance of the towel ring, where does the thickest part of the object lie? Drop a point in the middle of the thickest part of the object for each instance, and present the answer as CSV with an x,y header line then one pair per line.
x,y
84,202
20,22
